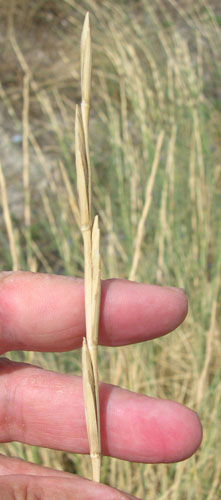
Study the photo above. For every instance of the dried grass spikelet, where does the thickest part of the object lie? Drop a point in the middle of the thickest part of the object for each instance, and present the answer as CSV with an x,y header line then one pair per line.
x,y
86,68
91,239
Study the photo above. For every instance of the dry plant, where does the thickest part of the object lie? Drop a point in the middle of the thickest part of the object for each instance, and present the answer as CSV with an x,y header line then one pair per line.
x,y
8,221
156,75
91,237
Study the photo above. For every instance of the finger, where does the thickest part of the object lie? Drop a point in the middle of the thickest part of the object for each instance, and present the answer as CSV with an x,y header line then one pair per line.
x,y
43,408
43,312
16,487
16,466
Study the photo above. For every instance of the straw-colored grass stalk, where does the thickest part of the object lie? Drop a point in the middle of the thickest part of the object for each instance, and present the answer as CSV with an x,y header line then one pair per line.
x,y
91,238
8,222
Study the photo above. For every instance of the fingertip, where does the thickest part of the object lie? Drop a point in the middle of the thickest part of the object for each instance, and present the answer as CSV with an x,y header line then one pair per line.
x,y
139,312
182,303
175,307
183,435
194,434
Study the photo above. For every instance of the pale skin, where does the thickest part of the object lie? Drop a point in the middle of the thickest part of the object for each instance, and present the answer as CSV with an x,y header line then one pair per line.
x,y
46,313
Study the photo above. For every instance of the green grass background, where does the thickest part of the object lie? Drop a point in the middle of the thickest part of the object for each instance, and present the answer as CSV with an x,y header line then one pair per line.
x,y
155,148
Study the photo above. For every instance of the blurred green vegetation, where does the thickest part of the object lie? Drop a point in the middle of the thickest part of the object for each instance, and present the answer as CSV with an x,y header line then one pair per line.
x,y
156,177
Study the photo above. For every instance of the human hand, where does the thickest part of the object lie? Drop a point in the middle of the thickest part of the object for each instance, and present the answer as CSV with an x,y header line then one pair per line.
x,y
41,312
